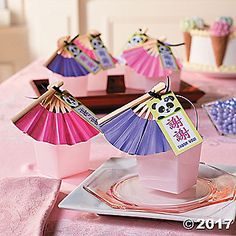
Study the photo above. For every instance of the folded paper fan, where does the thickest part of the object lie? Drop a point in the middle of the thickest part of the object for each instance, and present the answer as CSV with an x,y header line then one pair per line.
x,y
132,129
134,134
83,42
67,67
57,118
94,47
70,61
151,59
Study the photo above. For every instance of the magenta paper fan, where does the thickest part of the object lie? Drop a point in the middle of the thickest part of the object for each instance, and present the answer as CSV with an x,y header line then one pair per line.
x,y
146,60
85,44
54,122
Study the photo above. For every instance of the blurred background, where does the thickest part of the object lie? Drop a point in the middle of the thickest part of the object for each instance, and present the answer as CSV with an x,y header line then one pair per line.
x,y
29,29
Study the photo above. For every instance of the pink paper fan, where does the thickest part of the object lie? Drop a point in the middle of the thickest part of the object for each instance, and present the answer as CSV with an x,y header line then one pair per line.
x,y
53,121
83,42
146,60
85,46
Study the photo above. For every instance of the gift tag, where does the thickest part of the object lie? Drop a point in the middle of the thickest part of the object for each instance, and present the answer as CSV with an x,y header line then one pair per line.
x,y
137,39
87,62
167,57
175,124
101,52
78,108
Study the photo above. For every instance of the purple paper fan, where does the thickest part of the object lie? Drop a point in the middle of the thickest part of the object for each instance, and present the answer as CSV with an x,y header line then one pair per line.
x,y
135,135
67,67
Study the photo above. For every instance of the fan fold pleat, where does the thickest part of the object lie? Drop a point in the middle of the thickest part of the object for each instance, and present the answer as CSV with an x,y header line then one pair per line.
x,y
145,63
68,67
135,135
85,48
55,128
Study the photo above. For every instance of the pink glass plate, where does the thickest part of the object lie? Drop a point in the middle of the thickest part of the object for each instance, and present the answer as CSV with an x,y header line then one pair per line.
x,y
121,189
132,192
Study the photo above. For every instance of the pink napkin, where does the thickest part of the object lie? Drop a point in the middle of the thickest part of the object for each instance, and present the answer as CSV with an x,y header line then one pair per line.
x,y
25,204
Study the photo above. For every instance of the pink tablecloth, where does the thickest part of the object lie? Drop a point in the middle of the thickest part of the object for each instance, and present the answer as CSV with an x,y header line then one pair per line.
x,y
17,151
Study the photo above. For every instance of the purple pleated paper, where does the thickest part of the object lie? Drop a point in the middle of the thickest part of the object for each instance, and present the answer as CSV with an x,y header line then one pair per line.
x,y
67,67
135,135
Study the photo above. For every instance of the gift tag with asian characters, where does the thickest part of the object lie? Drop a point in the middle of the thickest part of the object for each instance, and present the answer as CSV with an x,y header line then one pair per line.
x,y
101,52
87,62
167,57
176,126
78,108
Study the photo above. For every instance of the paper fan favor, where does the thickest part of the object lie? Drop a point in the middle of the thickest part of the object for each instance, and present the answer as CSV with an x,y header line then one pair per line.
x,y
70,61
152,59
156,129
57,117
153,123
94,47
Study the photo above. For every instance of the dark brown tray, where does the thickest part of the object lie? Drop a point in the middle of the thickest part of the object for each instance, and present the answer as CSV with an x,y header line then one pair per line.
x,y
103,102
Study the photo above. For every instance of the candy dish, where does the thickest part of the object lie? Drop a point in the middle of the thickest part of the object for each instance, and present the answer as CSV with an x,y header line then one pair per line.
x,y
222,114
117,170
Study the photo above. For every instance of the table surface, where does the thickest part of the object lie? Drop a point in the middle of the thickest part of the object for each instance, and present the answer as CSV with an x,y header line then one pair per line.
x,y
17,152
